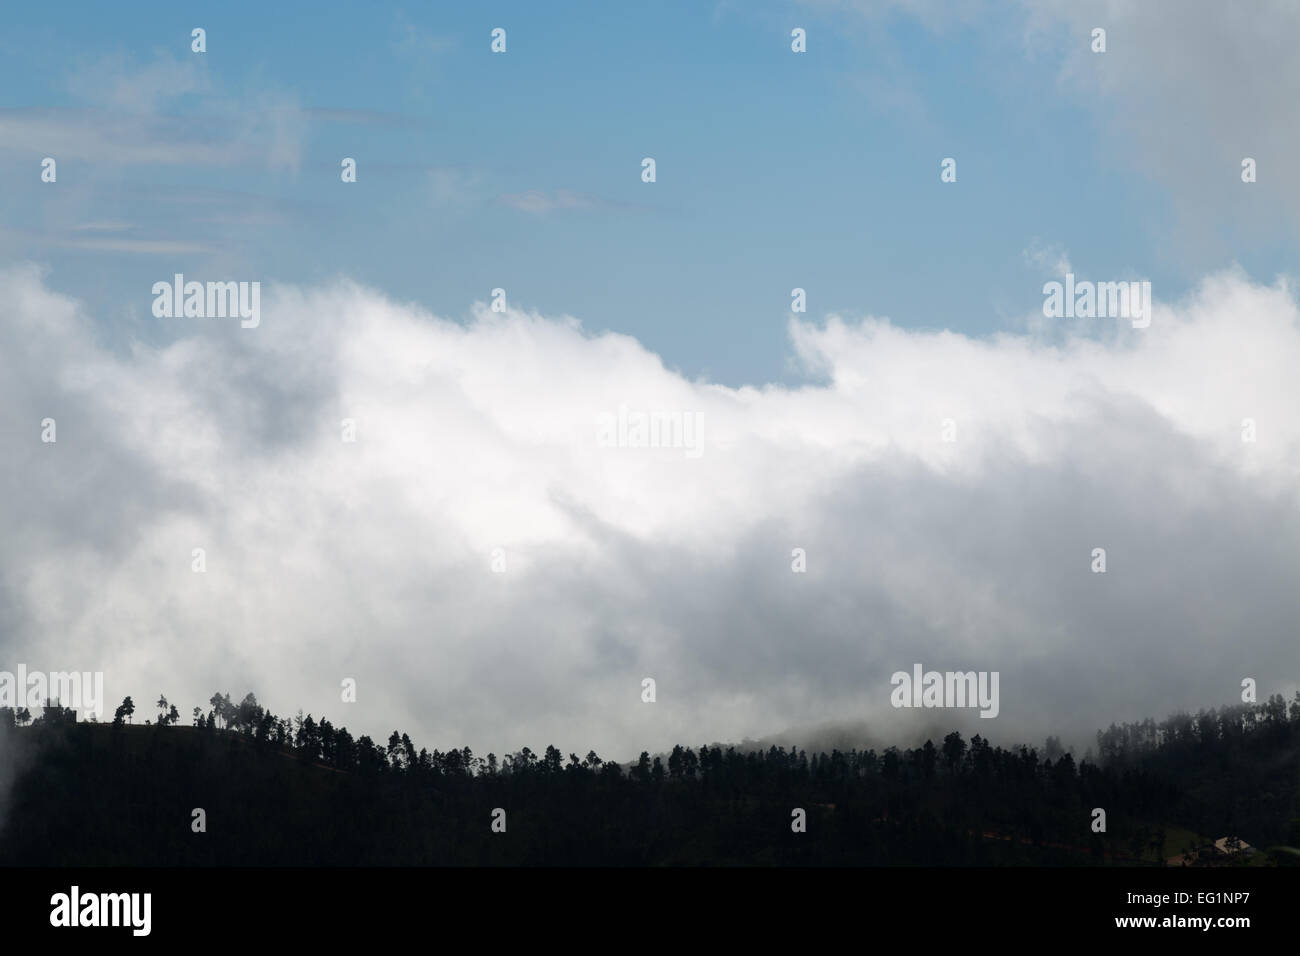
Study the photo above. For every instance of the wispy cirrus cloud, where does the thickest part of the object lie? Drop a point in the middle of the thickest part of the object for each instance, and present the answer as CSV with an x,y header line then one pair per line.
x,y
132,117
116,81
539,202
115,138
101,227
365,117
123,244
416,42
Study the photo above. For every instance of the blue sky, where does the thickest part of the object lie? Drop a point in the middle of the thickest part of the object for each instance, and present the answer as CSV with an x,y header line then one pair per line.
x,y
775,170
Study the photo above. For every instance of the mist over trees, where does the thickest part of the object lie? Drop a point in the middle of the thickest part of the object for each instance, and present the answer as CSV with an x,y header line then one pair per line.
x,y
301,790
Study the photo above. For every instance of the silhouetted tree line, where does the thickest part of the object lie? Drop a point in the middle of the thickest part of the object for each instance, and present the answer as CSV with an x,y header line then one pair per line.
x,y
300,791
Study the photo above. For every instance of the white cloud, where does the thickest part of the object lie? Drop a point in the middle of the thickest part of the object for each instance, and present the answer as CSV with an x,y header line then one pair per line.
x,y
372,560
1187,88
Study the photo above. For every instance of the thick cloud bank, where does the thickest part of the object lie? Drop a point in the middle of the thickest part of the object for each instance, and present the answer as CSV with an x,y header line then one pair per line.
x,y
377,559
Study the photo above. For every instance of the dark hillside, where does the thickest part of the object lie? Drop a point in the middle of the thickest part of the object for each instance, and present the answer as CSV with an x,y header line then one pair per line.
x,y
308,794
